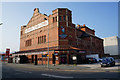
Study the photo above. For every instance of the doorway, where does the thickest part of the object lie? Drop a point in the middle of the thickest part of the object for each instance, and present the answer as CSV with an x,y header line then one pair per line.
x,y
36,59
63,59
32,58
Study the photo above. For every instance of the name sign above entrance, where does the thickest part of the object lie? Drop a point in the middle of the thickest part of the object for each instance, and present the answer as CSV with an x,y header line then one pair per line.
x,y
42,24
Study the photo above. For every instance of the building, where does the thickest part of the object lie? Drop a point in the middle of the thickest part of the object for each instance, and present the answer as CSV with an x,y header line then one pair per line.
x,y
57,36
112,45
4,57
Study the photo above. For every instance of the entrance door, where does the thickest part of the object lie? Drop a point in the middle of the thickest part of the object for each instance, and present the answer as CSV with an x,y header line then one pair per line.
x,y
32,58
35,59
63,59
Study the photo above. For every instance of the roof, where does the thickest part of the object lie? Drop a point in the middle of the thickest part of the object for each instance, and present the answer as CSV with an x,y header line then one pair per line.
x,y
84,34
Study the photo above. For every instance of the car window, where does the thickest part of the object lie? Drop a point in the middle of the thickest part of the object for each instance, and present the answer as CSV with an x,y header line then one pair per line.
x,y
111,59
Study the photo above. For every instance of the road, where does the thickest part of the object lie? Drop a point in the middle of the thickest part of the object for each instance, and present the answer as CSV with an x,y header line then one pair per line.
x,y
13,71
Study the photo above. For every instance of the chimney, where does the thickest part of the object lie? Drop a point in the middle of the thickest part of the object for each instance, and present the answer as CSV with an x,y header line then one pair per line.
x,y
83,25
78,26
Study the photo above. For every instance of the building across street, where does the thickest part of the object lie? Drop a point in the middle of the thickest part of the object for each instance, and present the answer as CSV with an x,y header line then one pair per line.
x,y
112,45
55,39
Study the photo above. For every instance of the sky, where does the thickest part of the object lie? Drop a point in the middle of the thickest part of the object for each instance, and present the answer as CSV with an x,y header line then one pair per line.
x,y
100,16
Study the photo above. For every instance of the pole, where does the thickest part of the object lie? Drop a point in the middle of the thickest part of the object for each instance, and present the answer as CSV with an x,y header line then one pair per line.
x,y
1,23
48,46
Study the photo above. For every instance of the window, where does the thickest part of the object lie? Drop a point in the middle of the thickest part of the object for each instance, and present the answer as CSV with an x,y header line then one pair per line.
x,y
56,18
53,19
28,42
69,18
64,17
38,40
42,39
60,18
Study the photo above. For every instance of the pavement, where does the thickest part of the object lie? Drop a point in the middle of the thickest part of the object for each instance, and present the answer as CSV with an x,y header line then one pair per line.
x,y
12,71
68,67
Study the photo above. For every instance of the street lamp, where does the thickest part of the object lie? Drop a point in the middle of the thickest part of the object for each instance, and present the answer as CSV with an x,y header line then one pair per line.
x,y
48,44
1,23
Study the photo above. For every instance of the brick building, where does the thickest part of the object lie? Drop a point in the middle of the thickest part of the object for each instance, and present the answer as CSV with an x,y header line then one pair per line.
x,y
67,42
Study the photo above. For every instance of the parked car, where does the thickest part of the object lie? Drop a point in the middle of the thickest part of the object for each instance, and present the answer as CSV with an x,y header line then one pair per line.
x,y
91,60
108,61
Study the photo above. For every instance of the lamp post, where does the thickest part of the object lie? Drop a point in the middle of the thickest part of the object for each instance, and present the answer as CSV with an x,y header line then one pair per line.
x,y
48,46
1,23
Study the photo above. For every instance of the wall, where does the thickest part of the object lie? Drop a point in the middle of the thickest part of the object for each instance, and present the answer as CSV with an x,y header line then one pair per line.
x,y
111,45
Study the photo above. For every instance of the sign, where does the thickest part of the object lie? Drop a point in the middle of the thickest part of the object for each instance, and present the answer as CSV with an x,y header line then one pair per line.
x,y
56,58
42,24
82,51
43,55
63,30
7,52
74,57
55,53
63,35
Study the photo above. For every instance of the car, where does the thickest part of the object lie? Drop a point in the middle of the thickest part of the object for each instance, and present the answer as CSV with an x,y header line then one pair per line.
x,y
91,60
107,62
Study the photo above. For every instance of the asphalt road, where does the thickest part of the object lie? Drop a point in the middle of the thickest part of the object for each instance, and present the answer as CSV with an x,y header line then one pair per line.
x,y
13,71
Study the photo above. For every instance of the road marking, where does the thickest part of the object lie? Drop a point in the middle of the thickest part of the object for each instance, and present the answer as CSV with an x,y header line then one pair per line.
x,y
23,71
55,76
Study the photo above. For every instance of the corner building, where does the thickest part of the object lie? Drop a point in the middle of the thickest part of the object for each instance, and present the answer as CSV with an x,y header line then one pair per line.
x,y
66,41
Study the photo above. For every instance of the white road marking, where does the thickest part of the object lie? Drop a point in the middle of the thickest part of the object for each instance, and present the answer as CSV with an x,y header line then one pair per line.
x,y
23,71
55,76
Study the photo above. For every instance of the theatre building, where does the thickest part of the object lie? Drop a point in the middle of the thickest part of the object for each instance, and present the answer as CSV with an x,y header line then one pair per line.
x,y
56,37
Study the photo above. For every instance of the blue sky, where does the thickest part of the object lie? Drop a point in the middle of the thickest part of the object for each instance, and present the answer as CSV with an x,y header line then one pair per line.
x,y
101,16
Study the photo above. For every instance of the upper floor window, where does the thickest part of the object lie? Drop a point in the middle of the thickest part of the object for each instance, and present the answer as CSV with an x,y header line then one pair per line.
x,y
53,19
42,39
28,42
64,17
56,18
60,18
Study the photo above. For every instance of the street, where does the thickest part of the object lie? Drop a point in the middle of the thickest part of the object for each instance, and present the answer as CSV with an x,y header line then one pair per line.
x,y
15,71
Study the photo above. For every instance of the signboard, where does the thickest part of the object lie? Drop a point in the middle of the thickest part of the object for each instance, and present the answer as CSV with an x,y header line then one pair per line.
x,y
56,53
63,35
7,52
56,58
82,51
74,57
43,55
42,24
